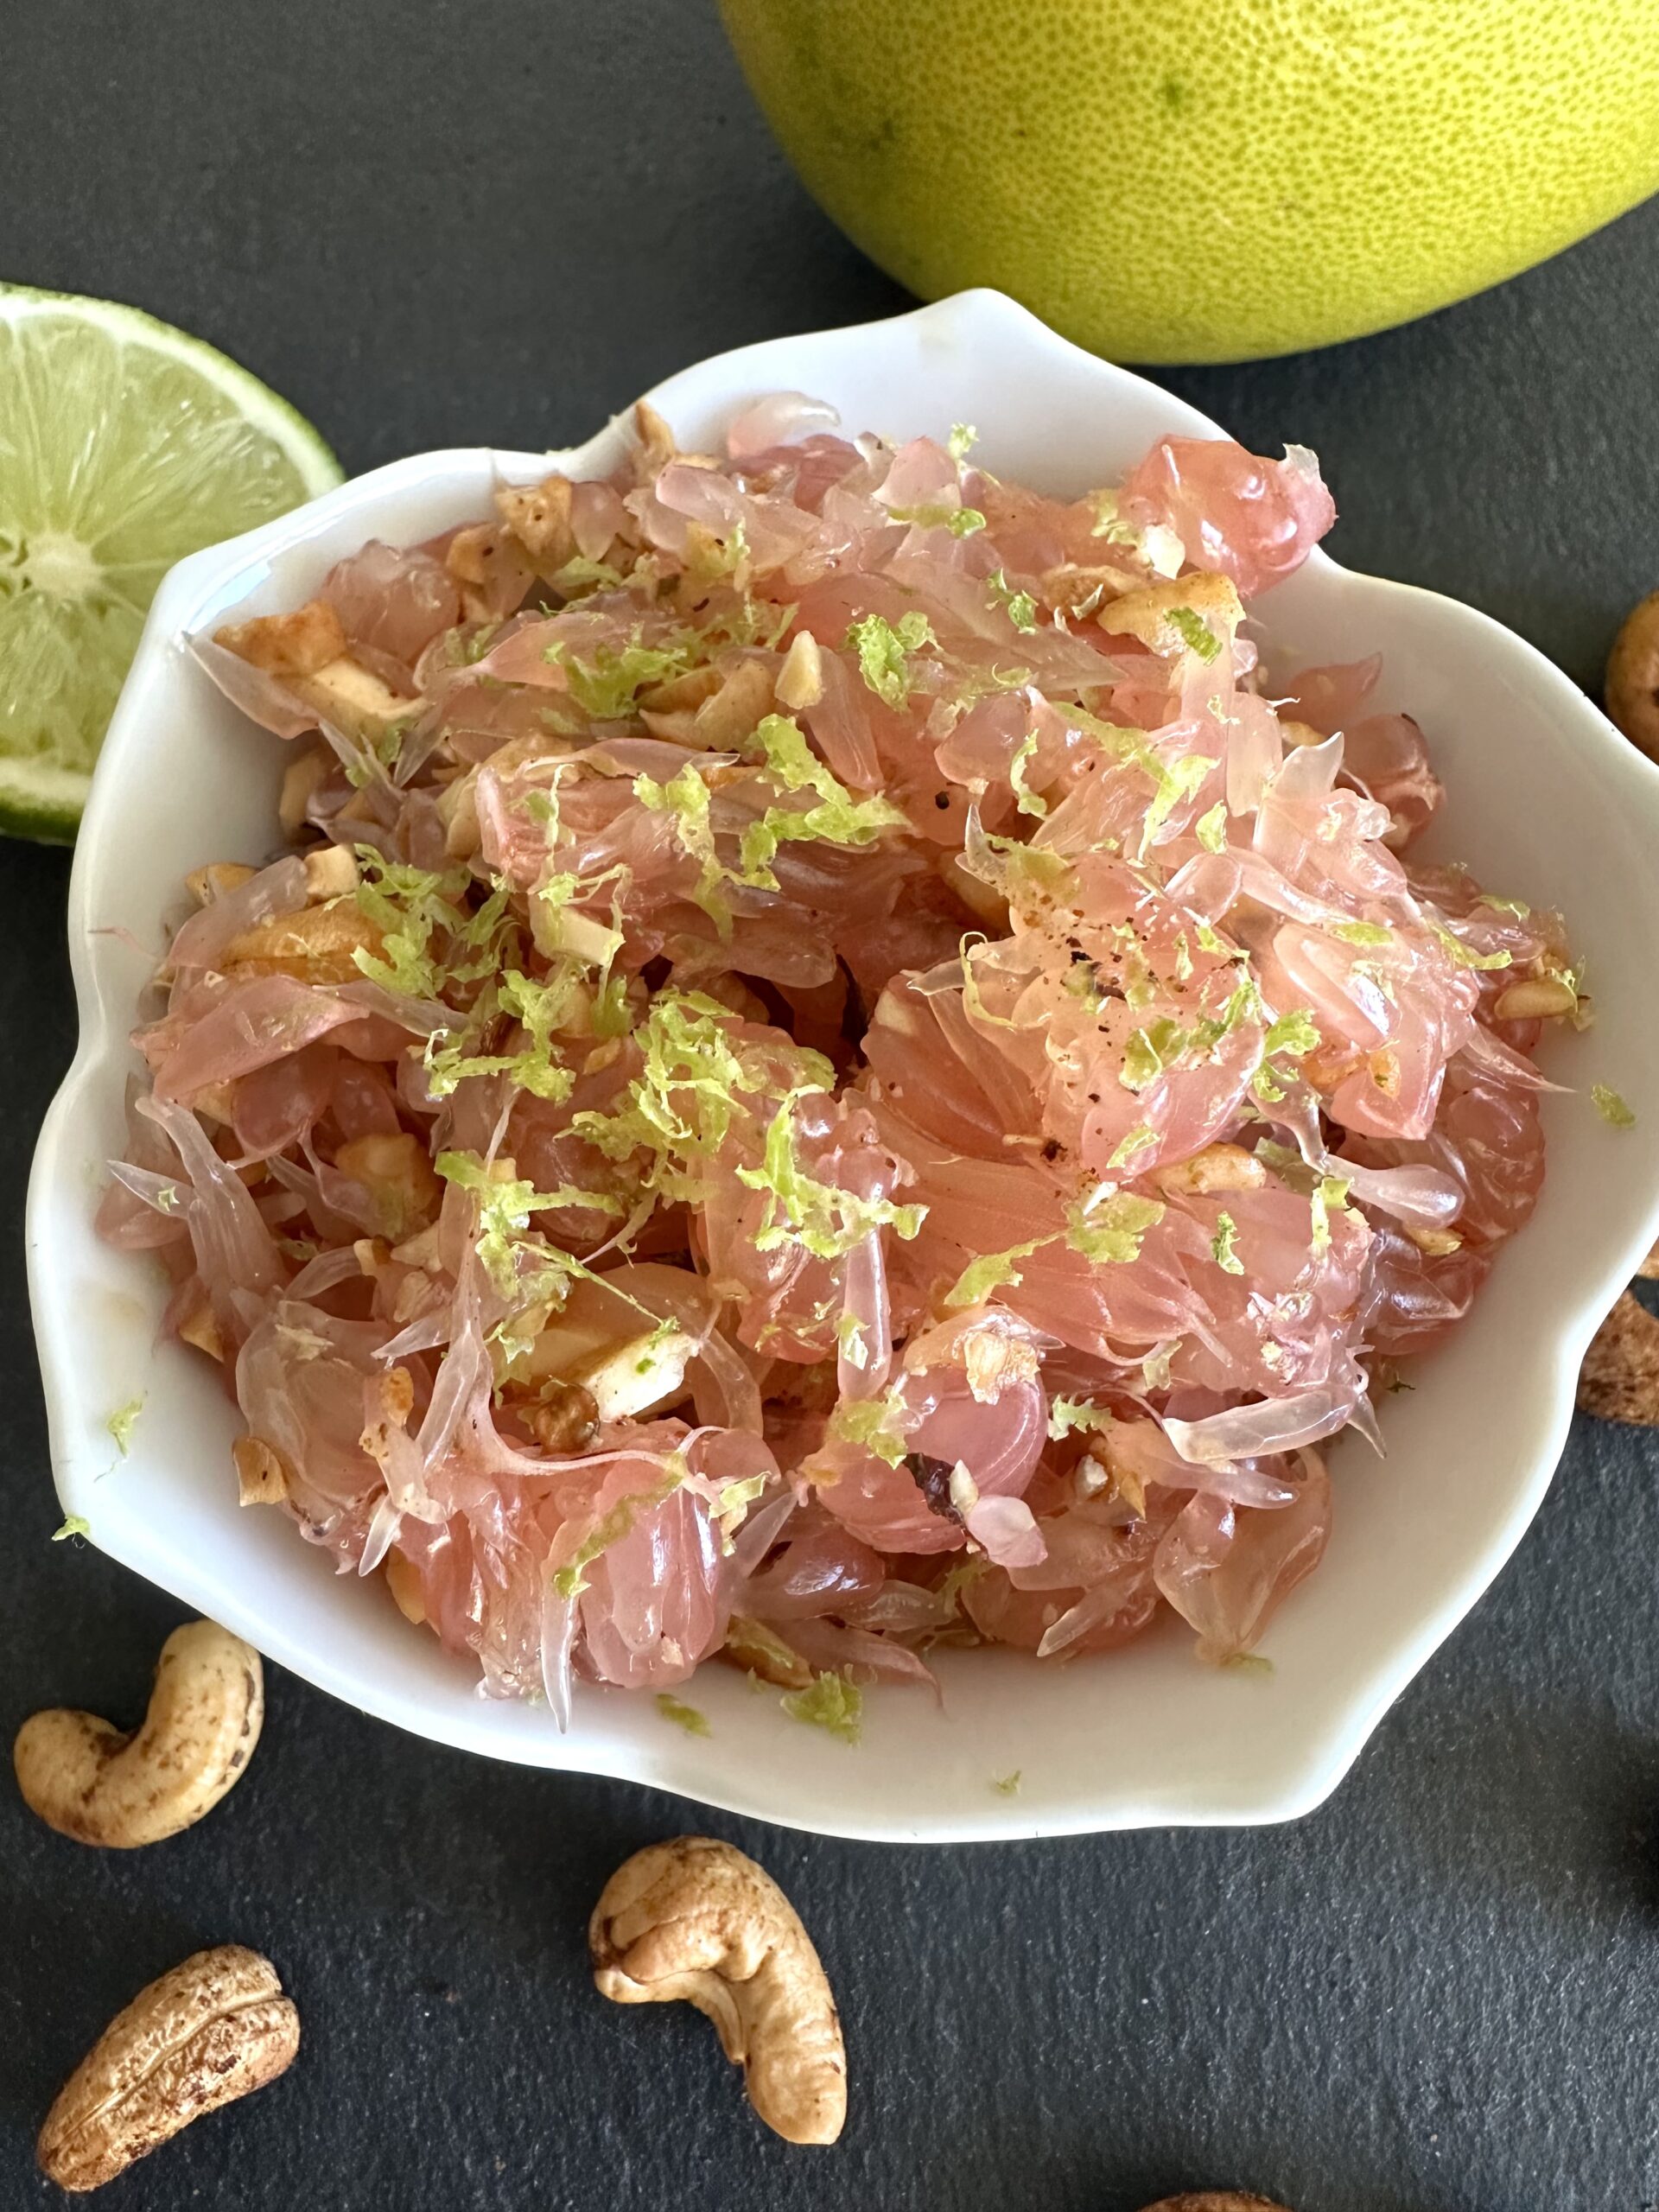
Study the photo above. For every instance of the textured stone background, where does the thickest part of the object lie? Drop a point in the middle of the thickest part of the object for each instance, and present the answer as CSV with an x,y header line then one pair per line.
x,y
440,224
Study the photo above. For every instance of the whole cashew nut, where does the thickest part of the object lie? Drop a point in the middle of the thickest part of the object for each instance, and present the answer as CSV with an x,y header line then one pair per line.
x,y
1632,685
694,1919
89,1780
1214,2200
215,2028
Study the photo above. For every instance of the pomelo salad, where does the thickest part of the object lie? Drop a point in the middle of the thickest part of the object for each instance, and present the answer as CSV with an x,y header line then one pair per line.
x,y
829,1065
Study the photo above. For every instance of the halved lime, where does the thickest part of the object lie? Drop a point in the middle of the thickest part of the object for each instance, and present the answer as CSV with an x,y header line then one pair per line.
x,y
124,444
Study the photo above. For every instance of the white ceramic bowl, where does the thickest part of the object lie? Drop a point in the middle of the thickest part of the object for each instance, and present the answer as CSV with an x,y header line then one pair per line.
x,y
1547,801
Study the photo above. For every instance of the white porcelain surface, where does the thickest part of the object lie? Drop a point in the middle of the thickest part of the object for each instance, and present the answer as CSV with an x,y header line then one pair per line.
x,y
1546,802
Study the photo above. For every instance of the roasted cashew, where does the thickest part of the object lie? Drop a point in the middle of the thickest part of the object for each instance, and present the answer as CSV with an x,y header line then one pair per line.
x,y
694,1919
1619,1379
215,2028
1214,2200
1633,685
92,1781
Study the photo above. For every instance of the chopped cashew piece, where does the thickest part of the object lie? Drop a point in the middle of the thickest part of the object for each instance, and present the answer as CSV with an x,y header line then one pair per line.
x,y
1435,1243
1536,998
1218,1167
656,448
199,1327
627,1380
405,1584
800,680
538,516
732,714
217,880
299,779
92,1781
1152,613
695,1919
331,872
286,644
215,2028
262,1473
353,699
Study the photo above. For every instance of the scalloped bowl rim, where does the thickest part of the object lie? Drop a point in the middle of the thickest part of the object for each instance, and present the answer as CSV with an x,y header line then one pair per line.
x,y
1138,1738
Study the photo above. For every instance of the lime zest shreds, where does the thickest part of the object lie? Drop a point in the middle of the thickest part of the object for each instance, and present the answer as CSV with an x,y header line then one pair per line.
x,y
1194,632
1133,1141
688,1093
505,1204
1007,1785
684,1716
1611,1106
962,441
75,1524
994,1271
838,819
1131,748
1109,1233
834,1703
571,1580
1156,545
1175,785
539,1068
1517,908
960,522
1210,828
1221,1245
409,906
686,796
871,1425
1027,801
1294,1034
1020,607
1462,955
1329,1193
883,649
580,574
824,1219
122,1421
1362,932
1067,1415
607,688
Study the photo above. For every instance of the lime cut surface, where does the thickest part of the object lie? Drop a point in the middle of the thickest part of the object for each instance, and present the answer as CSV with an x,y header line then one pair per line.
x,y
124,444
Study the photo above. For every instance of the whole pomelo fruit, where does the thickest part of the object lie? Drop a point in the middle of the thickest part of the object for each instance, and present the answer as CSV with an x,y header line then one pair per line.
x,y
1206,180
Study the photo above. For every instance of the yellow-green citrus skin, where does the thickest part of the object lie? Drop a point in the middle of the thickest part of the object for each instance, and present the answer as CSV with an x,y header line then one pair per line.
x,y
1211,179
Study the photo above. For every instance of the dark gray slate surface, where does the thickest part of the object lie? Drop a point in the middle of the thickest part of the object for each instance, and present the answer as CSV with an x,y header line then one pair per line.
x,y
433,224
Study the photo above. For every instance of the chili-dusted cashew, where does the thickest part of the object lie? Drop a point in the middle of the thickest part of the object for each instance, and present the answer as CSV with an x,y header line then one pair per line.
x,y
694,1919
95,1782
215,2028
